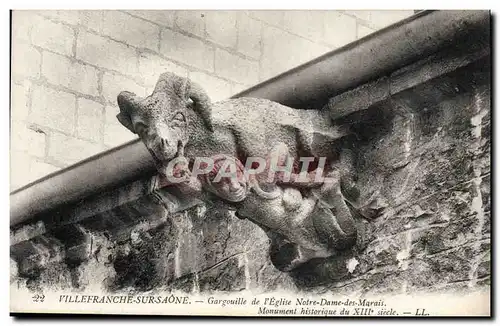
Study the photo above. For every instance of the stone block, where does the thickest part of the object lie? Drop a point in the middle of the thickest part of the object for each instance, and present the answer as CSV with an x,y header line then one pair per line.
x,y
106,53
26,232
188,50
221,27
151,66
62,71
23,22
26,61
35,254
236,68
249,36
71,17
19,101
54,37
92,19
69,150
26,256
306,23
84,79
19,169
282,51
90,120
54,109
191,21
76,243
30,140
131,30
56,69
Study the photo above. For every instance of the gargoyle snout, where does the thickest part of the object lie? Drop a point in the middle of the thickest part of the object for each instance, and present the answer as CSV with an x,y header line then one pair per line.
x,y
163,143
127,101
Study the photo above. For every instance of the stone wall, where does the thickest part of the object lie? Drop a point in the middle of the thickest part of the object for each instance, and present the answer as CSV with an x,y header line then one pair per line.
x,y
69,66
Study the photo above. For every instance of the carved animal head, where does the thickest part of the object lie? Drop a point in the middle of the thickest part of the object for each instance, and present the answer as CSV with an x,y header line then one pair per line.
x,y
162,119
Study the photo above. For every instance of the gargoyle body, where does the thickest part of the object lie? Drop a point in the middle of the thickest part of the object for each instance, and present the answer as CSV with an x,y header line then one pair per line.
x,y
304,220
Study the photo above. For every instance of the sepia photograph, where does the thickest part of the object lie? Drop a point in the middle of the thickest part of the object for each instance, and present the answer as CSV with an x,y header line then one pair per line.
x,y
250,163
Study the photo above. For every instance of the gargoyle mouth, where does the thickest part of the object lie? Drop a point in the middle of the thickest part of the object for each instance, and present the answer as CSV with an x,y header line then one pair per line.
x,y
161,165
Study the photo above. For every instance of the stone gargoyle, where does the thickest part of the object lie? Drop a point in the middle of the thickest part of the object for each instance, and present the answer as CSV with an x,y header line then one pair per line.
x,y
304,216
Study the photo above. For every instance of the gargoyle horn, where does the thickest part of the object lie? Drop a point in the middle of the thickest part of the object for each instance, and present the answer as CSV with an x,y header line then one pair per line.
x,y
201,101
189,90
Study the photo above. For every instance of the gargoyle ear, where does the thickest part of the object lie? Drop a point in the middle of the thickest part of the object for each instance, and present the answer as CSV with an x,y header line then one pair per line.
x,y
124,101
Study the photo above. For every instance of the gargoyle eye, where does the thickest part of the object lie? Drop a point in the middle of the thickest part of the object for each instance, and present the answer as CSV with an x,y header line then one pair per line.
x,y
179,117
140,128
